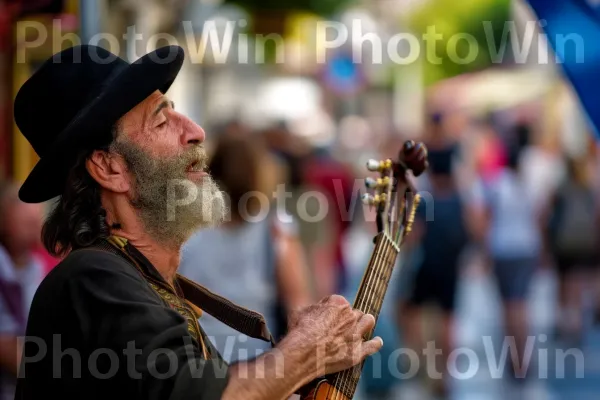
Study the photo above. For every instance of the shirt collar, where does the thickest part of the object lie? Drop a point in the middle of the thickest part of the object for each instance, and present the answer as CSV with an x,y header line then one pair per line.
x,y
145,265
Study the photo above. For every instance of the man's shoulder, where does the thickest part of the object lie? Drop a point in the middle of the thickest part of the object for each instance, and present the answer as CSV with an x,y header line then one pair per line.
x,y
89,263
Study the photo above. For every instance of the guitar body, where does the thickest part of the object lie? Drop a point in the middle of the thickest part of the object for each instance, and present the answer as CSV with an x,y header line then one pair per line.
x,y
323,390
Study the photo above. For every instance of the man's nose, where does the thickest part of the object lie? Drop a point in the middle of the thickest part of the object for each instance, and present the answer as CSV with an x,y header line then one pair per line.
x,y
192,133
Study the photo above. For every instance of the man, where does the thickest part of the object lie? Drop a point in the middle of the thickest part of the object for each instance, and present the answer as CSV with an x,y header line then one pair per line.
x,y
21,271
125,165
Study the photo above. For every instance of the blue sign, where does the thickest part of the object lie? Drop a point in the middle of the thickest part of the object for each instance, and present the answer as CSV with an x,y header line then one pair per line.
x,y
342,75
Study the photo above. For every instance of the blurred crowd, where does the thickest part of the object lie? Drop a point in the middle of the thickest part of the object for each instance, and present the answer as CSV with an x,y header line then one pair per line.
x,y
494,192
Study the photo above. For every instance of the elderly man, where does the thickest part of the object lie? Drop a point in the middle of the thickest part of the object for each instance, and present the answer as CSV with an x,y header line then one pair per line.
x,y
112,320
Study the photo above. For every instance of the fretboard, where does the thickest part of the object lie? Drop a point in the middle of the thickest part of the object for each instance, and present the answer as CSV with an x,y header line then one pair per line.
x,y
369,299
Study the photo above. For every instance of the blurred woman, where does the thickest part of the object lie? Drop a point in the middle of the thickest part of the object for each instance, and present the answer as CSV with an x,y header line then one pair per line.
x,y
440,234
257,246
503,212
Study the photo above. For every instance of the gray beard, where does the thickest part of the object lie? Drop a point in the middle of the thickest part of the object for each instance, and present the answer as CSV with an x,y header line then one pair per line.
x,y
170,206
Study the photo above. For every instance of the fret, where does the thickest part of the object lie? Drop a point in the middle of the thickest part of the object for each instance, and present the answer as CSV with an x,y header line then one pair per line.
x,y
376,278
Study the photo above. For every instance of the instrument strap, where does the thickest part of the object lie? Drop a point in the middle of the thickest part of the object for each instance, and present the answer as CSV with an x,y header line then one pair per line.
x,y
241,319
201,299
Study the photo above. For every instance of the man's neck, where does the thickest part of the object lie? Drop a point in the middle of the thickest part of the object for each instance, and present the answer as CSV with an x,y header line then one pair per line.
x,y
164,258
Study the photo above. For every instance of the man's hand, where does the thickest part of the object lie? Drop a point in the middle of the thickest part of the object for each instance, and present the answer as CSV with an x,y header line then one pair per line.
x,y
335,332
323,338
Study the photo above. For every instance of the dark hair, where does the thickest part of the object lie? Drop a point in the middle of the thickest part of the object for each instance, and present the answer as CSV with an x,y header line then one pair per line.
x,y
523,135
78,219
513,156
440,161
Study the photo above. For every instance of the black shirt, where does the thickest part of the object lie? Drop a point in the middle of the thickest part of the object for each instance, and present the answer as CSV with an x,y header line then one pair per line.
x,y
98,330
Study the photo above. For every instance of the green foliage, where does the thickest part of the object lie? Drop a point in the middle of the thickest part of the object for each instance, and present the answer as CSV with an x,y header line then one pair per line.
x,y
457,20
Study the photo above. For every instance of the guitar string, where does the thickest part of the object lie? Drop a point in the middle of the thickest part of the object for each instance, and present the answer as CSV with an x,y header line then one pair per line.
x,y
375,289
374,298
383,276
385,270
378,275
340,381
373,284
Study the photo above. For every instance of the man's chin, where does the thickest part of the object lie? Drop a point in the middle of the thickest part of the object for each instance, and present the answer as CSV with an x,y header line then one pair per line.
x,y
173,219
206,213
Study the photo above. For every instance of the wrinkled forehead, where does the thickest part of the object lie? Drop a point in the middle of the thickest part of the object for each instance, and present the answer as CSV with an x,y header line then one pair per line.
x,y
137,120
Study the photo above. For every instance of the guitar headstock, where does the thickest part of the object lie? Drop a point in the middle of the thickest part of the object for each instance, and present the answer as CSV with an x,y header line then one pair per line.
x,y
394,194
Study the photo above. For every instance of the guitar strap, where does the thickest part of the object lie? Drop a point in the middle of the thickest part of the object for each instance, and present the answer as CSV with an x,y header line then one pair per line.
x,y
243,320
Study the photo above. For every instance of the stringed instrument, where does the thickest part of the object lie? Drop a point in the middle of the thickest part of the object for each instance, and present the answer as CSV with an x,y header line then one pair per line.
x,y
396,201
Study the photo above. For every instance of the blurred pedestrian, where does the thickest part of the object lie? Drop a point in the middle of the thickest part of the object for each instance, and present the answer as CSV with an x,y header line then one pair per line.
x,y
254,259
509,227
440,231
21,271
573,238
335,181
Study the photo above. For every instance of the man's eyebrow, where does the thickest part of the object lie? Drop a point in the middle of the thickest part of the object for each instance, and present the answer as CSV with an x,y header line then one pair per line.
x,y
163,104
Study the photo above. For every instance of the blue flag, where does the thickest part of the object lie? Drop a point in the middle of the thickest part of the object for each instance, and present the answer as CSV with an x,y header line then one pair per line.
x,y
578,19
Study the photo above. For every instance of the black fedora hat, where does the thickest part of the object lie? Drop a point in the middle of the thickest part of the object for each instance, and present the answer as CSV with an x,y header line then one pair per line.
x,y
73,100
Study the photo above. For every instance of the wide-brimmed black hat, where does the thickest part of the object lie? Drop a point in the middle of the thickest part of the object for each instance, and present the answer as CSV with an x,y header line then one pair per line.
x,y
73,100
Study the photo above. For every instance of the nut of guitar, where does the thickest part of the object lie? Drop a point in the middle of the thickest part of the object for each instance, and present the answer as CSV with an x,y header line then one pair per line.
x,y
325,391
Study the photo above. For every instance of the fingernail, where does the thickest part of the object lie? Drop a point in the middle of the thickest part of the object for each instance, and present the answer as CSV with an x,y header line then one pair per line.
x,y
380,340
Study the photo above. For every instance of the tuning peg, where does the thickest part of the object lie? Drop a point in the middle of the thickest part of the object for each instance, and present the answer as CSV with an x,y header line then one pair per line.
x,y
377,183
374,165
371,200
414,156
370,183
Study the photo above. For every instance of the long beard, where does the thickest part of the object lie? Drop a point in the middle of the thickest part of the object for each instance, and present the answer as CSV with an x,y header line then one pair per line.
x,y
170,206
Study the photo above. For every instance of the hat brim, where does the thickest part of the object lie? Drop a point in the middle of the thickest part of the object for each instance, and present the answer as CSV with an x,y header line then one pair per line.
x,y
129,87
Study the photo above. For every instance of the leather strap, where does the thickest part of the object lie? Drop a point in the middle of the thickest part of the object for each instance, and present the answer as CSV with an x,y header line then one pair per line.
x,y
241,319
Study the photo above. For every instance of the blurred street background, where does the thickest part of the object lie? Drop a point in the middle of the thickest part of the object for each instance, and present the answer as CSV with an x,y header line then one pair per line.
x,y
505,245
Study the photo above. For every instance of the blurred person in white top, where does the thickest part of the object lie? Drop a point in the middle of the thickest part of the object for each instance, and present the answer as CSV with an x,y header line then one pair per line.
x,y
508,224
254,259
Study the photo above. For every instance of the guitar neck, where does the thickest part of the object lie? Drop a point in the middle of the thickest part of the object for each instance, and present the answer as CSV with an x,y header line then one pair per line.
x,y
369,299
375,281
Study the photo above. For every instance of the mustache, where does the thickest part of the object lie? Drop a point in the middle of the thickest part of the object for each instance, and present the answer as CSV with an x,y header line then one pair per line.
x,y
146,165
195,155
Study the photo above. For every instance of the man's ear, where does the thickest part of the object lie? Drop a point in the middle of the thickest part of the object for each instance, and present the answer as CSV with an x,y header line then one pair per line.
x,y
109,171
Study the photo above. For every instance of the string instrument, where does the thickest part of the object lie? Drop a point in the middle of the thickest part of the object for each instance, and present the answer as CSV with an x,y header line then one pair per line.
x,y
396,200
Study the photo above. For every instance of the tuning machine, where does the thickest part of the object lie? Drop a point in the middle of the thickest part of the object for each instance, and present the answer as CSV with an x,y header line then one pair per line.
x,y
379,166
379,183
373,200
